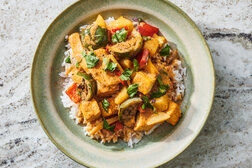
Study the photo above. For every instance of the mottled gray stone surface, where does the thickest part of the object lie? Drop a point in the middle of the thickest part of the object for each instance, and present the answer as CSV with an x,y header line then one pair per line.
x,y
225,141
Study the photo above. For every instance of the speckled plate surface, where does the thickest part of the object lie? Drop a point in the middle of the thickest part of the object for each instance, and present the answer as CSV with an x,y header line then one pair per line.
x,y
164,143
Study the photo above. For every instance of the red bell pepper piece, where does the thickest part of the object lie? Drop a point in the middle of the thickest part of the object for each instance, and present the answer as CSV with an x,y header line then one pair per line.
x,y
118,126
118,73
143,57
112,31
73,94
146,29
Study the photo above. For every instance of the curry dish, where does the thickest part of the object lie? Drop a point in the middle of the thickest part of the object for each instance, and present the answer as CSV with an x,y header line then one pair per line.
x,y
122,79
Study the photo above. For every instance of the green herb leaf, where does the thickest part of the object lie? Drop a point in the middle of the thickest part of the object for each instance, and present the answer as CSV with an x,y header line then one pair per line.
x,y
105,104
91,60
107,127
159,80
100,37
114,39
126,75
68,60
132,89
164,87
78,92
120,36
111,66
165,51
84,75
77,64
83,53
146,38
157,94
105,63
143,106
136,65
147,103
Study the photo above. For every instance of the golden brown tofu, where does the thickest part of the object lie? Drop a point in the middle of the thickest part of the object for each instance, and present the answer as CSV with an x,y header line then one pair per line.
x,y
90,110
141,122
112,108
161,103
106,78
175,113
145,81
104,91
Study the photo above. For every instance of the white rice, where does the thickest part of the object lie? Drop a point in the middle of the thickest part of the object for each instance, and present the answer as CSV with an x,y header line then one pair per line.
x,y
133,140
109,20
179,75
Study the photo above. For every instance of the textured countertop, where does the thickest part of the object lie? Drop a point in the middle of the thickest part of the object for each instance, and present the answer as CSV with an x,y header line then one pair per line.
x,y
226,139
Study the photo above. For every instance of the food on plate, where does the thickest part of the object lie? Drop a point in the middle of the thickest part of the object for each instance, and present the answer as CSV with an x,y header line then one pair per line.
x,y
122,79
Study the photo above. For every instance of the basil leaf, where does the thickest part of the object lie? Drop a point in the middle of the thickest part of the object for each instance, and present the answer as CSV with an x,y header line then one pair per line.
x,y
78,92
157,94
114,39
132,89
136,65
143,106
165,51
126,75
77,64
85,76
164,87
111,66
91,60
100,37
107,64
159,80
147,103
107,127
68,60
121,34
83,53
105,104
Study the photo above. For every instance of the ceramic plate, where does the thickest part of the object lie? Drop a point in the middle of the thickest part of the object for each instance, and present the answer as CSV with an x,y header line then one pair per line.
x,y
164,143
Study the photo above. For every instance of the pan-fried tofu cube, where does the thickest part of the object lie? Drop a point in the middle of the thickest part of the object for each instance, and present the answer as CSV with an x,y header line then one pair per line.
x,y
174,112
145,81
106,90
90,110
112,108
161,103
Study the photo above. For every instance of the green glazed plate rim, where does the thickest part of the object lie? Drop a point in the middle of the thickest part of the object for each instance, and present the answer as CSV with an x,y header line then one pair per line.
x,y
59,146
